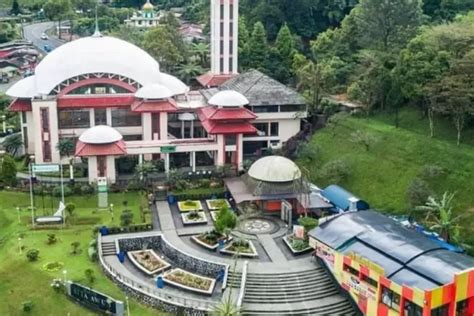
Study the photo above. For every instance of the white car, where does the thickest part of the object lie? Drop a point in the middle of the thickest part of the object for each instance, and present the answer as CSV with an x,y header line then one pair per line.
x,y
44,36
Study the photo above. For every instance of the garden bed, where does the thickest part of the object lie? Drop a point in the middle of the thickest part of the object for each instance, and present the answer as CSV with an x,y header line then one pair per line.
x,y
148,261
190,205
244,248
190,281
296,246
217,204
194,218
209,240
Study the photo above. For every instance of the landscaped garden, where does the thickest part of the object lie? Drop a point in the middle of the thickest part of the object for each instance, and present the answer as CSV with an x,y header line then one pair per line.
x,y
190,281
241,248
31,259
217,204
148,261
189,205
193,218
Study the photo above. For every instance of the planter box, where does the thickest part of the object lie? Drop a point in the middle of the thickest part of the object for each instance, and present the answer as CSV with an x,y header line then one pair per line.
x,y
252,254
188,208
203,244
165,265
211,204
294,251
208,291
201,220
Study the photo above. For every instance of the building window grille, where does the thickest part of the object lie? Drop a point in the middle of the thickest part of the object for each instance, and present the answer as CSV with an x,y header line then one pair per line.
x,y
125,117
74,119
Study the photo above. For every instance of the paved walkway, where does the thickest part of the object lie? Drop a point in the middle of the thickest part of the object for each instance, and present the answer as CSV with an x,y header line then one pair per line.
x,y
271,248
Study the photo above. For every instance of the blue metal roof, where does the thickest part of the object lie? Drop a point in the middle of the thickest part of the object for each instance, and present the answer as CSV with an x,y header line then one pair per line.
x,y
340,198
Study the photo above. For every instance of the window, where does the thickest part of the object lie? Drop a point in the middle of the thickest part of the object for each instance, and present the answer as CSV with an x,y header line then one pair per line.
x,y
231,47
462,308
369,281
351,270
100,116
441,311
265,109
45,120
262,128
23,117
222,29
222,47
411,309
132,137
99,88
125,117
231,11
222,65
230,140
391,299
274,129
222,11
25,136
231,29
74,118
231,64
293,108
101,166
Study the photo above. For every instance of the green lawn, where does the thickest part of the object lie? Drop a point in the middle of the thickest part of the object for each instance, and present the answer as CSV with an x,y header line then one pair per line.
x,y
22,280
382,174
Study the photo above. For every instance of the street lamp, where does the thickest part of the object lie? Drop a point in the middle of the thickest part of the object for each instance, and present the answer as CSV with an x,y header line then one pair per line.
x,y
65,276
128,306
19,244
112,211
18,210
4,119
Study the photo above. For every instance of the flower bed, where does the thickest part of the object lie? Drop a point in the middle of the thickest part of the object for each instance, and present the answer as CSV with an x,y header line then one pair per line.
x,y
189,205
209,240
217,204
148,261
53,266
244,248
193,218
296,246
190,281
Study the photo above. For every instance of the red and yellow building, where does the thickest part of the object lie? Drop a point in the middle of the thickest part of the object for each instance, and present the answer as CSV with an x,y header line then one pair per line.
x,y
390,270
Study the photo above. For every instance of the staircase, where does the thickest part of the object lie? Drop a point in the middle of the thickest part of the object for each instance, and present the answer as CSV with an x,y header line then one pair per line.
x,y
310,292
108,249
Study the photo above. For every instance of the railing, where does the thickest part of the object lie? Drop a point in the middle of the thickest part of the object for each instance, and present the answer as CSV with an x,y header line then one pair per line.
x,y
243,280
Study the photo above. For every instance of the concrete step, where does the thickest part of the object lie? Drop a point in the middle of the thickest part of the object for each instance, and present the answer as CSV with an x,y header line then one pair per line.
x,y
108,249
290,298
282,274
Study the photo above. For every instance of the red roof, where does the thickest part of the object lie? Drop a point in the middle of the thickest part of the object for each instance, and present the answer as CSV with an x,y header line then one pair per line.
x,y
113,149
225,114
20,105
213,127
156,106
95,101
209,79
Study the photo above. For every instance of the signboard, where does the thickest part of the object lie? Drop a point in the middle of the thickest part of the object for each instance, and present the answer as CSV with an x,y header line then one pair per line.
x,y
366,262
94,299
167,149
360,288
326,253
102,184
45,168
298,231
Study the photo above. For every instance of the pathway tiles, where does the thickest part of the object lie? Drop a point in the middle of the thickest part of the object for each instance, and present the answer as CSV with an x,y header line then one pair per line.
x,y
271,248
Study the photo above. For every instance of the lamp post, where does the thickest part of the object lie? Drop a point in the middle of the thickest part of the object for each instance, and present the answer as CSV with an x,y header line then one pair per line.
x,y
19,218
128,306
4,119
19,245
32,159
112,211
65,276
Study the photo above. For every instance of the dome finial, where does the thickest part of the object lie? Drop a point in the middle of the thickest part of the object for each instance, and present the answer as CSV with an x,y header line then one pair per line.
x,y
97,31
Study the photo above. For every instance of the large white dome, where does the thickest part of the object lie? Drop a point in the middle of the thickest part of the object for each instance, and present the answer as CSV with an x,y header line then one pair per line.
x,y
274,169
95,55
228,98
100,134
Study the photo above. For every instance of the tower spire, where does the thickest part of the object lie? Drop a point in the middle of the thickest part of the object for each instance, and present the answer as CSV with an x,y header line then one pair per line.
x,y
97,31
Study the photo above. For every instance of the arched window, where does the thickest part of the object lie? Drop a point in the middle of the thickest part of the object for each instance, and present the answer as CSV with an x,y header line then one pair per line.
x,y
99,88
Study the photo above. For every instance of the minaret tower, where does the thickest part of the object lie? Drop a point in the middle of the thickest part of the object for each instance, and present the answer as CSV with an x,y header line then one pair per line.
x,y
224,42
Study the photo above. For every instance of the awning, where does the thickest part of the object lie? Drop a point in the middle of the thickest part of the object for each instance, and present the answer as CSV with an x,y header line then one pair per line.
x,y
113,149
20,105
95,101
156,106
241,193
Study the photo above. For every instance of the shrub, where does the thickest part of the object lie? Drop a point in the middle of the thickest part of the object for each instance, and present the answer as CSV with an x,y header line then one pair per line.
x,y
75,248
126,218
27,306
335,171
92,253
8,172
225,221
299,245
32,254
87,189
417,192
308,223
70,208
57,191
53,266
51,239
309,152
429,172
364,138
89,274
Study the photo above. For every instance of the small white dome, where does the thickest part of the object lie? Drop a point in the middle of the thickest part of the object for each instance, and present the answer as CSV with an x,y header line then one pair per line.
x,y
186,117
100,134
174,84
274,169
228,98
154,91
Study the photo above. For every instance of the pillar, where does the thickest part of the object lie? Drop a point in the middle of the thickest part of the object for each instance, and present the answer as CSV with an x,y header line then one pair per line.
x,y
147,131
92,169
111,176
167,163
163,126
220,157
240,151
192,160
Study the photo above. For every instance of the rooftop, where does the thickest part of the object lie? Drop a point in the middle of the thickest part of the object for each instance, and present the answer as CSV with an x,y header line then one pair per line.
x,y
274,169
407,256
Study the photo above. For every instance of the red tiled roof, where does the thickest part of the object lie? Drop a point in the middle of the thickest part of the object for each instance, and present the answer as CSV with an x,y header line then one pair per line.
x,y
20,105
95,101
209,79
156,106
113,149
226,114
228,127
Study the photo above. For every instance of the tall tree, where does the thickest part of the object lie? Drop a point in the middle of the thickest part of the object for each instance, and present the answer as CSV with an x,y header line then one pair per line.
x,y
15,8
57,10
243,46
283,53
13,143
159,42
258,48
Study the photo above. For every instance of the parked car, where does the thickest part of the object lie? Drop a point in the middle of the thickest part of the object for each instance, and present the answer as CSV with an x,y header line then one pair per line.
x,y
44,36
47,48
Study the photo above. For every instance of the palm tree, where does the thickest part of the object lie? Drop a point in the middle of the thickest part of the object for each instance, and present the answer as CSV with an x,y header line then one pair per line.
x,y
66,148
189,71
13,143
201,50
440,215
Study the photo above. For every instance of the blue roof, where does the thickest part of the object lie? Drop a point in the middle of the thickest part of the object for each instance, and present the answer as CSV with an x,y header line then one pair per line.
x,y
340,198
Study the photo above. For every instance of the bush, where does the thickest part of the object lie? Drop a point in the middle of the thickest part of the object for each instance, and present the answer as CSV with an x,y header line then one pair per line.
x,y
335,171
32,254
308,223
87,189
75,248
92,253
8,172
51,239
429,172
57,191
418,192
126,218
309,152
89,274
225,221
27,306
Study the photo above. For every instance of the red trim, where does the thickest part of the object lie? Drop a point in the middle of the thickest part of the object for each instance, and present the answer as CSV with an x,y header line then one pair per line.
x,y
112,149
225,114
95,101
407,293
470,285
20,105
90,81
228,127
156,106
209,80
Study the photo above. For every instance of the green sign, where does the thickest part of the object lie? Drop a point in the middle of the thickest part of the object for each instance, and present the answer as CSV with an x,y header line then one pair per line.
x,y
167,149
45,168
94,299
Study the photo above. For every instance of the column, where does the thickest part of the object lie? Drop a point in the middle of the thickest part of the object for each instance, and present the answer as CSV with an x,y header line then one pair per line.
x,y
192,160
140,162
111,176
240,151
167,163
220,157
163,126
92,169
147,132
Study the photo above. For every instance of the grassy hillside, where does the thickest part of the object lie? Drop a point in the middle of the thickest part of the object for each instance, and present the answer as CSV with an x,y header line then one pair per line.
x,y
382,174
